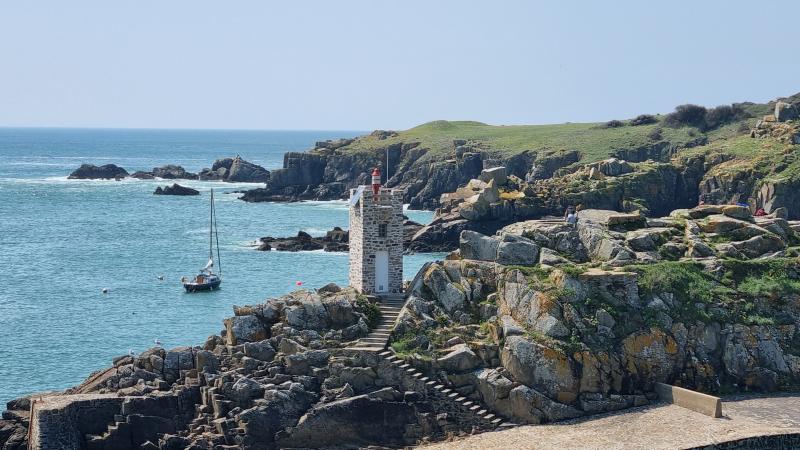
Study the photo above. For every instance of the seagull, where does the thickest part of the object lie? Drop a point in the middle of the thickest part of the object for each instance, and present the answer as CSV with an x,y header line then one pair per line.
x,y
160,277
131,353
157,342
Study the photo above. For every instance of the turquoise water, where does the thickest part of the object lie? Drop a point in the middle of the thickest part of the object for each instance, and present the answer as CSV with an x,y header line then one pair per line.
x,y
64,241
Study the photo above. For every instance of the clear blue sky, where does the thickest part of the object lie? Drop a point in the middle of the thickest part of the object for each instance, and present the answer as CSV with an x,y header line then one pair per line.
x,y
384,64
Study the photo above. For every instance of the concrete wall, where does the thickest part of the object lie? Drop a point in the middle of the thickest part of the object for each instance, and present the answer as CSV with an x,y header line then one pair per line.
x,y
696,401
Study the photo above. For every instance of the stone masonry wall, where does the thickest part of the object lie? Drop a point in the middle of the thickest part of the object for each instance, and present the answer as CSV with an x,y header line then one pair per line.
x,y
60,422
365,217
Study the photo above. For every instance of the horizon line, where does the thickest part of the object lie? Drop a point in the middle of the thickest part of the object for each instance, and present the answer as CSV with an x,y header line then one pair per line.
x,y
38,127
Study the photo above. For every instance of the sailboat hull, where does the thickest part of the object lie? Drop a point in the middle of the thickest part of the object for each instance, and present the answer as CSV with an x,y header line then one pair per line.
x,y
199,287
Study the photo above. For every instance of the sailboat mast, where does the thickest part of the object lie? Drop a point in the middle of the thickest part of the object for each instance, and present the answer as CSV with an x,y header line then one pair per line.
x,y
216,237
211,228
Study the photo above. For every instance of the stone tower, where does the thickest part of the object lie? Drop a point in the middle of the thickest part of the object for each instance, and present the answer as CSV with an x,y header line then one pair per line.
x,y
376,239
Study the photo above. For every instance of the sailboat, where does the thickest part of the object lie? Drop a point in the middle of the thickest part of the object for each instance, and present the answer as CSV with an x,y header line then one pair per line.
x,y
207,280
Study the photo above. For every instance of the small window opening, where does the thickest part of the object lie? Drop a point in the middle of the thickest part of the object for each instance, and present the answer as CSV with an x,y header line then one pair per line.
x,y
382,230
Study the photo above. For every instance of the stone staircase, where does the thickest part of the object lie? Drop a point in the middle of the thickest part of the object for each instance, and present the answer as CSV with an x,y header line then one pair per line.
x,y
390,306
467,411
470,411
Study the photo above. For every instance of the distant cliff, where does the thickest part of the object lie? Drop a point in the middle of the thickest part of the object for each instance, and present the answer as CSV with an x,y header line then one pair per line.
x,y
722,153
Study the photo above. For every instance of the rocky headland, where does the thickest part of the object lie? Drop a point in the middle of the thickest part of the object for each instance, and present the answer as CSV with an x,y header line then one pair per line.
x,y
731,153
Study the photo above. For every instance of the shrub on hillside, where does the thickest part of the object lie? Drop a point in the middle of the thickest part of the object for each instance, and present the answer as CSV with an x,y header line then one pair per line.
x,y
614,124
686,115
655,134
705,119
643,119
722,115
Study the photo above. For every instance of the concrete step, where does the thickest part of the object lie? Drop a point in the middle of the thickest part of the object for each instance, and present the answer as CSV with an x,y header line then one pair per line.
x,y
367,348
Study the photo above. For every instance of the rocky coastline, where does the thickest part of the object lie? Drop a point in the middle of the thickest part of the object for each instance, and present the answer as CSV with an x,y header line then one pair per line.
x,y
528,320
541,322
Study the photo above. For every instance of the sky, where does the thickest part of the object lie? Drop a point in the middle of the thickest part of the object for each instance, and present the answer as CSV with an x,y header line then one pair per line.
x,y
380,64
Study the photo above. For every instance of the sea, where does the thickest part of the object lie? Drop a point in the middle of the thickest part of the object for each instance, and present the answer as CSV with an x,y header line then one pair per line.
x,y
63,242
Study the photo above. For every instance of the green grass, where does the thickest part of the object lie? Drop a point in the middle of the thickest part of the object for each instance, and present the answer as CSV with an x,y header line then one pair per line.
x,y
772,287
593,140
687,280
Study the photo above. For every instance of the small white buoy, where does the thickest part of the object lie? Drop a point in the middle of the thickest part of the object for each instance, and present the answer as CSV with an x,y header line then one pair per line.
x,y
105,291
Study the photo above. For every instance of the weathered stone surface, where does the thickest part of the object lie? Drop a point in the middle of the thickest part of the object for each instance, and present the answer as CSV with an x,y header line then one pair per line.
x,y
515,250
477,246
460,359
786,111
738,212
496,174
241,329
541,368
259,350
359,420
611,218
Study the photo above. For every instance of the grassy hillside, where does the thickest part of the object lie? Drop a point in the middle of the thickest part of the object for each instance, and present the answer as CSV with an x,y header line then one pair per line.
x,y
595,141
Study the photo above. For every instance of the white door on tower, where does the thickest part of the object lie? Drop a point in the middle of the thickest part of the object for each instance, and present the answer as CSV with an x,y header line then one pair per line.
x,y
382,271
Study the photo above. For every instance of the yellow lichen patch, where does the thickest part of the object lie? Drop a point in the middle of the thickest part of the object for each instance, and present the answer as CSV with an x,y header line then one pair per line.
x,y
512,195
558,362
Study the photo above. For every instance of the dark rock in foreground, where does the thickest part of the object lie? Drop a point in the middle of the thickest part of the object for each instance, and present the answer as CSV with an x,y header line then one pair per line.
x,y
175,189
91,172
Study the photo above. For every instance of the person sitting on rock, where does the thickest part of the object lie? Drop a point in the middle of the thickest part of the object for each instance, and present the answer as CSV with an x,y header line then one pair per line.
x,y
760,212
572,219
570,210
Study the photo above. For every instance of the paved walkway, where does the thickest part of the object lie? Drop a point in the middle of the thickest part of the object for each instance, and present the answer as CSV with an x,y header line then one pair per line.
x,y
650,427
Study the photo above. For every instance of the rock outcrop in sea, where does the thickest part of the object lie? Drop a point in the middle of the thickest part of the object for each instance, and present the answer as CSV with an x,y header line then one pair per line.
x,y
175,189
228,169
335,240
235,169
168,172
90,172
